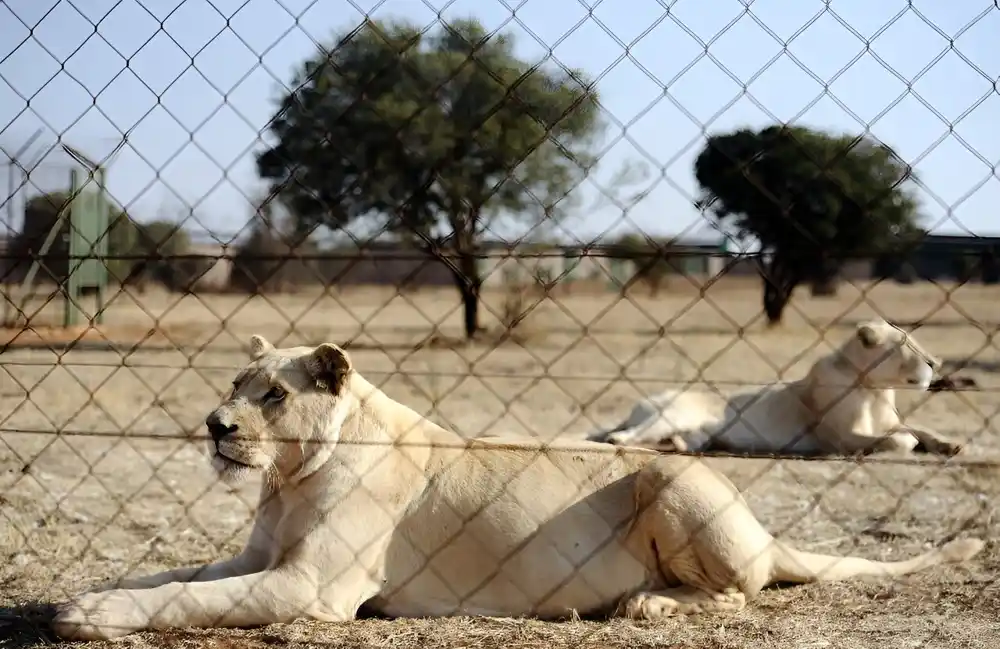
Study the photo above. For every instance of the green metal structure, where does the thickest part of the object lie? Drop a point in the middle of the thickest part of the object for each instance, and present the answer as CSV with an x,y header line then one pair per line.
x,y
88,233
84,221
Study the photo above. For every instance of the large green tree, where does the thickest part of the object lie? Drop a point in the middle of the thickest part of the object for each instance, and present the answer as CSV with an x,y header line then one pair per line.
x,y
437,138
811,199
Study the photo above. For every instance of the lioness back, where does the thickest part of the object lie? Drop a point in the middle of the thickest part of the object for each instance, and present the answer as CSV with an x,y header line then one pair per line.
x,y
503,530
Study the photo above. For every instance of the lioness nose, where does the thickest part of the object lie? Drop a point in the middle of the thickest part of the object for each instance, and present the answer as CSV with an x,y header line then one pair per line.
x,y
217,429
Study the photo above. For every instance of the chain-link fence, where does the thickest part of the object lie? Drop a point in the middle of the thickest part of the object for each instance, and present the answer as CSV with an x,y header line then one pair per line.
x,y
623,243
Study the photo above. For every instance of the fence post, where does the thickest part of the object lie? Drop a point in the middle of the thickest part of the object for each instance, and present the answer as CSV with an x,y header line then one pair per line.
x,y
71,292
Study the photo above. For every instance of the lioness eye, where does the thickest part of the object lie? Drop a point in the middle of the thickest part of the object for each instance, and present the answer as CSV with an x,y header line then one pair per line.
x,y
275,394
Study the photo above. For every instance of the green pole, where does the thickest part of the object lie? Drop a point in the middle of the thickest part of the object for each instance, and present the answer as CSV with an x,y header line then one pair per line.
x,y
71,309
104,218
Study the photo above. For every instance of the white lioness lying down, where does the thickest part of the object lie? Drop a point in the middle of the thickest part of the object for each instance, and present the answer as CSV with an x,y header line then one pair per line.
x,y
845,405
367,502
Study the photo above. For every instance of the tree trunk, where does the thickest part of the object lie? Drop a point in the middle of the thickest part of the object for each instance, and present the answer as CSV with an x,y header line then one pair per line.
x,y
775,301
469,285
827,280
990,268
779,284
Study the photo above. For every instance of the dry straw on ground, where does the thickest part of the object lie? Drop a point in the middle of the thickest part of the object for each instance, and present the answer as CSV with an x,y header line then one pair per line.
x,y
122,490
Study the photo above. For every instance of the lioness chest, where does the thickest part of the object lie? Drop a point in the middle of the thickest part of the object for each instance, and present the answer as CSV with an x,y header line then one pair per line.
x,y
502,532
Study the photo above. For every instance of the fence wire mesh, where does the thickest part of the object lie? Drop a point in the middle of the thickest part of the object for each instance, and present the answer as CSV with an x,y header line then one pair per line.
x,y
623,243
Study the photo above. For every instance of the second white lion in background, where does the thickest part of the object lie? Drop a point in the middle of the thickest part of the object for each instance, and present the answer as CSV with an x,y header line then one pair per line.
x,y
846,404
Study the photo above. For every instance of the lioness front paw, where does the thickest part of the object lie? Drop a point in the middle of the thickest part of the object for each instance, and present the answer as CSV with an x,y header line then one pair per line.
x,y
99,616
942,447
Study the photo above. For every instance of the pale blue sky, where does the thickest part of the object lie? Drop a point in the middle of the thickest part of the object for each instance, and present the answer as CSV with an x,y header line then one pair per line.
x,y
164,69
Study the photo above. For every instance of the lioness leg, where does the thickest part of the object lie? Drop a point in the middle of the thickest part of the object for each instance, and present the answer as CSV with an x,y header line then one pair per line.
x,y
253,558
239,565
662,436
684,600
931,441
851,443
706,537
249,600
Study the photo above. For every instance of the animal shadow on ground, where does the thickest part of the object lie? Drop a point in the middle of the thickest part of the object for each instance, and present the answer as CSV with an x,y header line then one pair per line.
x,y
26,626
953,383
956,364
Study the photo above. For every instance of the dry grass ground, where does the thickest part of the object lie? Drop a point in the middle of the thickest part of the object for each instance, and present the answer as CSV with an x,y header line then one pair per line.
x,y
122,489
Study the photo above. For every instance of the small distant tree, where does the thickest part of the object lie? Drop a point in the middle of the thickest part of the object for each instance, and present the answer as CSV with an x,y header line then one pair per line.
x,y
650,258
156,247
811,199
267,260
437,139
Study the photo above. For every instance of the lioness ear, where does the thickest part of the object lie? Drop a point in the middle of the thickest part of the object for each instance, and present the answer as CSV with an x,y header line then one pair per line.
x,y
869,334
259,346
329,365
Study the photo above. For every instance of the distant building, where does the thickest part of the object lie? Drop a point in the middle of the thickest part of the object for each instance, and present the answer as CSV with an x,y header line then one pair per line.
x,y
945,257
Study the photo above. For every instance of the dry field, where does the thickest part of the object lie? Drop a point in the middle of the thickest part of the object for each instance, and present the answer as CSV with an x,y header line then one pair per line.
x,y
123,489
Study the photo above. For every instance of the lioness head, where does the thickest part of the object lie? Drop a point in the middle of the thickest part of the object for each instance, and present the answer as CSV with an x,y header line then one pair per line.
x,y
282,403
885,356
